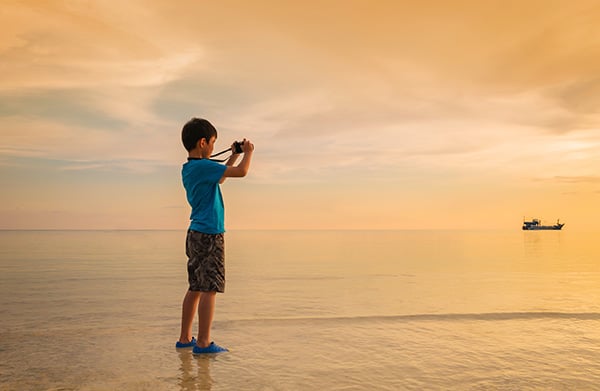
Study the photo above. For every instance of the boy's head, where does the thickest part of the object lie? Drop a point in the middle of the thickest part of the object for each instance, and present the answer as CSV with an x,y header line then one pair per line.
x,y
195,130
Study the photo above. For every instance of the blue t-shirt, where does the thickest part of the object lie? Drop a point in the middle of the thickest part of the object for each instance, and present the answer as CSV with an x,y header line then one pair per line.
x,y
201,182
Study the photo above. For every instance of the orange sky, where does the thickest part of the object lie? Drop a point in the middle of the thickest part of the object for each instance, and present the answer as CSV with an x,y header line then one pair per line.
x,y
365,115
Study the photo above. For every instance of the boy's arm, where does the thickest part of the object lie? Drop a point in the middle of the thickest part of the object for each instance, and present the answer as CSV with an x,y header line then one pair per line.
x,y
242,168
230,162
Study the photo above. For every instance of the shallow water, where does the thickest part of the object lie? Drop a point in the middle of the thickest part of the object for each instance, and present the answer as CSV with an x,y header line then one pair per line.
x,y
334,310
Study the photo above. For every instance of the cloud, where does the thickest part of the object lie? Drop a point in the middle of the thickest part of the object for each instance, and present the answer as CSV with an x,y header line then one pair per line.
x,y
576,179
73,147
582,97
74,107
339,97
380,86
56,45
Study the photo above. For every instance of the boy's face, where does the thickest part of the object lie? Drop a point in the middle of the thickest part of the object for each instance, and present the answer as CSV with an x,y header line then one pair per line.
x,y
207,148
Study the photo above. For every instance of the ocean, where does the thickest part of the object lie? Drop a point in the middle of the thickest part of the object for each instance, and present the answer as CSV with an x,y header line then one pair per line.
x,y
304,310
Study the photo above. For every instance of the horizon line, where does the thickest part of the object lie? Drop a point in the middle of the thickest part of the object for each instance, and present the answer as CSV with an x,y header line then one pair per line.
x,y
265,229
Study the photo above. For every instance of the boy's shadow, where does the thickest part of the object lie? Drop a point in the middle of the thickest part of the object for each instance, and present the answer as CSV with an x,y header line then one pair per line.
x,y
195,372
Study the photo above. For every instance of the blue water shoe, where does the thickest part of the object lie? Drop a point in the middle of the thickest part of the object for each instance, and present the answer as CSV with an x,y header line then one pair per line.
x,y
179,345
212,348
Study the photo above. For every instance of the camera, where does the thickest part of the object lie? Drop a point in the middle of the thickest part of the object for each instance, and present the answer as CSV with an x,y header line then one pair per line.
x,y
237,146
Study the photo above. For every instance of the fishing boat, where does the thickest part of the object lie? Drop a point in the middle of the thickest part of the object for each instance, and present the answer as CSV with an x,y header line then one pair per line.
x,y
536,224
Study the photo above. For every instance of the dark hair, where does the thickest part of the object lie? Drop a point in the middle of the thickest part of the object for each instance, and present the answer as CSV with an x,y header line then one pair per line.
x,y
195,130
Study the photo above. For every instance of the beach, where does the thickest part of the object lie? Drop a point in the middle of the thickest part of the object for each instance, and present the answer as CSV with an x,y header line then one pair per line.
x,y
304,310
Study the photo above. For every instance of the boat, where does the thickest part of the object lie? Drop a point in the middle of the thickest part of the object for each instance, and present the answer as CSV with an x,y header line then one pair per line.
x,y
536,224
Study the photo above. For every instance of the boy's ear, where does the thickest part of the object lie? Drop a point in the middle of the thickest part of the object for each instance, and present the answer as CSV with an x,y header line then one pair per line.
x,y
201,143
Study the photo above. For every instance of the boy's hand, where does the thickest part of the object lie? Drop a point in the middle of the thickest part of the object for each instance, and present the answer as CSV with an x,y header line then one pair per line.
x,y
241,169
247,146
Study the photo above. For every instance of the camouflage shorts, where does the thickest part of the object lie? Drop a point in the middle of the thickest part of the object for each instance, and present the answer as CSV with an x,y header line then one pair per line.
x,y
206,261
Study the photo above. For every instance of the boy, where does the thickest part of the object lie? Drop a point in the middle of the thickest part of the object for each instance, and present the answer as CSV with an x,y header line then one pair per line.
x,y
205,240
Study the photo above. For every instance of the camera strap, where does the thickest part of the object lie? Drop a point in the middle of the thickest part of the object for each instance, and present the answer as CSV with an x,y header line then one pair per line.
x,y
220,153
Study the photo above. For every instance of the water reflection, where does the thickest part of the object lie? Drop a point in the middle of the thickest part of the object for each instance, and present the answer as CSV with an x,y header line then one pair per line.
x,y
195,372
542,244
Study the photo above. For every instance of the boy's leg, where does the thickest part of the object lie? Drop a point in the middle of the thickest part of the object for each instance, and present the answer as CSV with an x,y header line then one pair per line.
x,y
188,311
206,311
206,274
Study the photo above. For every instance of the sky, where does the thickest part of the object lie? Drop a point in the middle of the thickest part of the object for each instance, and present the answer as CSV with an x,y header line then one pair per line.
x,y
364,114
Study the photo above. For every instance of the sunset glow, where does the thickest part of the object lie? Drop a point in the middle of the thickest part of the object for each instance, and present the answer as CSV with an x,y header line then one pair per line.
x,y
365,115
